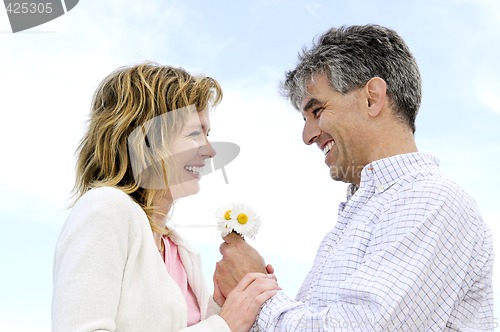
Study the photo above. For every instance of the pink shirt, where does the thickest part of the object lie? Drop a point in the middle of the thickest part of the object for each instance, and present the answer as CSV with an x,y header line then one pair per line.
x,y
177,271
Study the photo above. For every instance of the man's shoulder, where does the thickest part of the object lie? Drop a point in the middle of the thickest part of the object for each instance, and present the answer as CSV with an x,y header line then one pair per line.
x,y
438,184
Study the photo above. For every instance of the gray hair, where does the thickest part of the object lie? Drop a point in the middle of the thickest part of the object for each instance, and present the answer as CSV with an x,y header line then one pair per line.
x,y
350,57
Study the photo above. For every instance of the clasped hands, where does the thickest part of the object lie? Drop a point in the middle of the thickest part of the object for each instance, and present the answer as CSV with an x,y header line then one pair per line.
x,y
241,279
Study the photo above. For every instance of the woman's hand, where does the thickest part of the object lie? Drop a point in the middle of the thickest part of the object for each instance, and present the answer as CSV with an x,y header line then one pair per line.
x,y
243,303
218,296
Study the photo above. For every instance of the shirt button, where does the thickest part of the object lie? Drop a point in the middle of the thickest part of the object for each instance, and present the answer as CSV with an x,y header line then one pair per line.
x,y
380,187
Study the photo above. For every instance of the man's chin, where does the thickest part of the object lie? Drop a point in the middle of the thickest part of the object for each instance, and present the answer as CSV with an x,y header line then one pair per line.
x,y
334,174
338,174
348,174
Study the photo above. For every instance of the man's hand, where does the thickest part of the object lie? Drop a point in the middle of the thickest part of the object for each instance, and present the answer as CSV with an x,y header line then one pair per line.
x,y
239,258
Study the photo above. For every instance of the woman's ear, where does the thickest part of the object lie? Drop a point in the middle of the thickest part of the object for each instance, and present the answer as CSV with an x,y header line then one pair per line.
x,y
376,94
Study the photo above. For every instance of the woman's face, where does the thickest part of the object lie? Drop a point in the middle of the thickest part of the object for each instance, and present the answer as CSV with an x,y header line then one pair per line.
x,y
190,149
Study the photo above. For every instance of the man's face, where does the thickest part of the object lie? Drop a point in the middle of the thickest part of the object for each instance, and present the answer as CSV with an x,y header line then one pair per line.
x,y
335,122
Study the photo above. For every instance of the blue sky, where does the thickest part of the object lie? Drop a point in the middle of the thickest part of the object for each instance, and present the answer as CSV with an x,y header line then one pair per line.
x,y
49,73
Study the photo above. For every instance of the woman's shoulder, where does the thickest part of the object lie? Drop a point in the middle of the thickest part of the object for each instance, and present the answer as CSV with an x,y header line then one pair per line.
x,y
107,203
105,192
111,197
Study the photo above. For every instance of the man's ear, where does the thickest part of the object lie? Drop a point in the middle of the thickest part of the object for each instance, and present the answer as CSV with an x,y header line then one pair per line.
x,y
376,94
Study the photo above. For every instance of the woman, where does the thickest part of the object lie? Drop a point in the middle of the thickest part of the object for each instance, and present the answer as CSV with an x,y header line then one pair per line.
x,y
117,267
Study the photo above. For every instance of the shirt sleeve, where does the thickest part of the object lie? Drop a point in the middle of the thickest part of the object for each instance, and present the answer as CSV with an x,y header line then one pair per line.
x,y
424,252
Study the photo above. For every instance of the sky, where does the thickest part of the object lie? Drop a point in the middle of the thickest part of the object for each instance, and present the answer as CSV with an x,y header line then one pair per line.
x,y
48,75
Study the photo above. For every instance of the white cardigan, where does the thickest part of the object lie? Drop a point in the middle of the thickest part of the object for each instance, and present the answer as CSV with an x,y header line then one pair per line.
x,y
108,275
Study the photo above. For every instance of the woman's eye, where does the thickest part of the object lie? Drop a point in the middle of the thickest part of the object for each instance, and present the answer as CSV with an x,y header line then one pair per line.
x,y
195,134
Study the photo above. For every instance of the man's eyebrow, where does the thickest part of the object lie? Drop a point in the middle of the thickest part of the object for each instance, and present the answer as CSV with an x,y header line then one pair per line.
x,y
310,104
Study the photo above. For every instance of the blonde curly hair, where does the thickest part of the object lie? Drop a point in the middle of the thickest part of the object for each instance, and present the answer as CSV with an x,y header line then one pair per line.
x,y
129,98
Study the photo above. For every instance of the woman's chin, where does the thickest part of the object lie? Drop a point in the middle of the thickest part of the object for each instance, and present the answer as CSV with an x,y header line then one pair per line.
x,y
184,189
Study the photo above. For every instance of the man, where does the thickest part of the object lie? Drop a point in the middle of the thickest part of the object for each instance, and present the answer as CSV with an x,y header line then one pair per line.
x,y
410,251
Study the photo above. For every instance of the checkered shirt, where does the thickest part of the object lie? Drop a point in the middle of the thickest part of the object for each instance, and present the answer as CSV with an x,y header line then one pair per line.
x,y
409,252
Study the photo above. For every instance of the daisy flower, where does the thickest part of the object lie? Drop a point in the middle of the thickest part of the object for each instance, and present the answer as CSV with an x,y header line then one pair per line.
x,y
238,218
224,221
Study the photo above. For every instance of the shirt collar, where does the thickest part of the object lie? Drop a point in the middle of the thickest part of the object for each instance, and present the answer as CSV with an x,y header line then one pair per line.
x,y
384,172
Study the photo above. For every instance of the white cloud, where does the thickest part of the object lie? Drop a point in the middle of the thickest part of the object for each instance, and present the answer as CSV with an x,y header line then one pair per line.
x,y
314,8
487,90
489,8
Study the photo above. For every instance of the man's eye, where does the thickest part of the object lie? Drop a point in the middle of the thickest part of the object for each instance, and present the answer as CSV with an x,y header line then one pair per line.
x,y
317,111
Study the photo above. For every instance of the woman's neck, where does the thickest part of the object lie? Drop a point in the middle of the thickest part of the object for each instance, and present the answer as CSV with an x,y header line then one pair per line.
x,y
163,206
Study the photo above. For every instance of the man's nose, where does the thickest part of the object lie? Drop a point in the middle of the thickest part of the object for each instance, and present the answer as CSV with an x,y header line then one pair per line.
x,y
311,132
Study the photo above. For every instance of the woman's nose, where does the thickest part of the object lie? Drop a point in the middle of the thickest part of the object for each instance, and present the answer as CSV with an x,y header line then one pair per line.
x,y
208,149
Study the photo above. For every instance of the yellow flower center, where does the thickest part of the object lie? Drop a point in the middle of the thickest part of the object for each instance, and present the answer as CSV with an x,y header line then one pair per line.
x,y
242,218
227,215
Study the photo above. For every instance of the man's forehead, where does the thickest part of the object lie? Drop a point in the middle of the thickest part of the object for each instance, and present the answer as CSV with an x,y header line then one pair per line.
x,y
311,85
316,79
